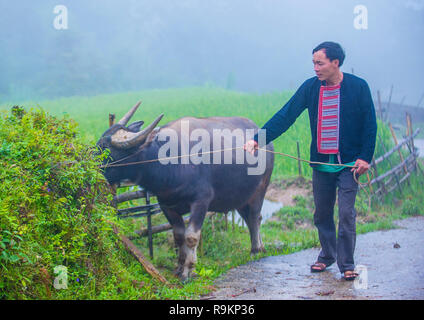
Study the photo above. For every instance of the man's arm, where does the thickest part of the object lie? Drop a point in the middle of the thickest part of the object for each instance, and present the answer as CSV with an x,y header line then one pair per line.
x,y
369,131
286,116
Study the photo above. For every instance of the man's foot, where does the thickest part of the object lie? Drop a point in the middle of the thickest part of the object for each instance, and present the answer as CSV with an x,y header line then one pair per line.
x,y
318,267
350,275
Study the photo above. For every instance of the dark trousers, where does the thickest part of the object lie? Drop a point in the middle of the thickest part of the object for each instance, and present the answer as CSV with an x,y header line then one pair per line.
x,y
325,185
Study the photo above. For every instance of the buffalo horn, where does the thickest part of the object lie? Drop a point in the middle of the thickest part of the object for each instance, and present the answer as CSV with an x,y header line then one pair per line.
x,y
129,114
123,139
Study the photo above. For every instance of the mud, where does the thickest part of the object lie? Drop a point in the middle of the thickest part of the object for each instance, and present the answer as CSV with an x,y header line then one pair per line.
x,y
284,194
390,263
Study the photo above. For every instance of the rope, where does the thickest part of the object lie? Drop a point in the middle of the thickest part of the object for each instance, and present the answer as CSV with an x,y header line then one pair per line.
x,y
361,184
113,164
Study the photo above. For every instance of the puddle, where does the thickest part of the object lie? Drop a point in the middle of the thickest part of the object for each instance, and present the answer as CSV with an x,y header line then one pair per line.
x,y
268,208
419,143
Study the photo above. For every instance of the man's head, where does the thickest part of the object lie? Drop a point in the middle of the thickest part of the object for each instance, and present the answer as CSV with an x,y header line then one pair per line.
x,y
328,57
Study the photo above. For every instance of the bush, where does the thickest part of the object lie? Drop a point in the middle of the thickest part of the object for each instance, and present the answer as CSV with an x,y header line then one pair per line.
x,y
54,212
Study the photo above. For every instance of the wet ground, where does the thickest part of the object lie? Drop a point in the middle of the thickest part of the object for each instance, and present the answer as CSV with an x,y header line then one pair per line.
x,y
268,209
419,143
390,264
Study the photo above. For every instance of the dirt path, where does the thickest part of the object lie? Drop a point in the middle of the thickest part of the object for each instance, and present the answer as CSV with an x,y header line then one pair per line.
x,y
393,268
285,193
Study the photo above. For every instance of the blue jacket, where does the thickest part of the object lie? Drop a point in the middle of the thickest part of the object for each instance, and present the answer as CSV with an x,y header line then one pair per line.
x,y
358,125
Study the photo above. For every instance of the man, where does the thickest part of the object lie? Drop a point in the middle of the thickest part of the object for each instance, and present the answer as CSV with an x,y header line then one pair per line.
x,y
343,127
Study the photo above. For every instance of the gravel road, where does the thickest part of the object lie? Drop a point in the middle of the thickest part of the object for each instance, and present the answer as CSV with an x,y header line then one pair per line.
x,y
390,263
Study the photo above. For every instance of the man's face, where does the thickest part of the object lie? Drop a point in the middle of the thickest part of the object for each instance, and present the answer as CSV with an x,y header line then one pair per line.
x,y
323,67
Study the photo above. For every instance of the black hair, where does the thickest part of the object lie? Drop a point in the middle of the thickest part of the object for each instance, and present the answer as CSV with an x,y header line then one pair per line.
x,y
333,51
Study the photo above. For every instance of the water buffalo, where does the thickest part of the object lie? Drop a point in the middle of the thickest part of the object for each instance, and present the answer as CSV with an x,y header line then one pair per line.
x,y
183,185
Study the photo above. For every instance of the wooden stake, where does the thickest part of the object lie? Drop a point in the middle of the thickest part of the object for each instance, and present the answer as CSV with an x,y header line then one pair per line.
x,y
396,143
149,226
113,188
111,119
139,256
163,227
409,126
388,104
374,166
390,164
410,130
369,180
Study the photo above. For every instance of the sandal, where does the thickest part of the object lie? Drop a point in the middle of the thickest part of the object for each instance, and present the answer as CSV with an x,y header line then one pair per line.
x,y
350,275
318,267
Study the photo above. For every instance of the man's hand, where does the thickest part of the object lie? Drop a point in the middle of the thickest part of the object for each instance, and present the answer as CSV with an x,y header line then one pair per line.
x,y
251,146
361,166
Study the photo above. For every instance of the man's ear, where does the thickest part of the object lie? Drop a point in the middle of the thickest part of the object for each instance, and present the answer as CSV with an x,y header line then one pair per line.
x,y
135,126
336,62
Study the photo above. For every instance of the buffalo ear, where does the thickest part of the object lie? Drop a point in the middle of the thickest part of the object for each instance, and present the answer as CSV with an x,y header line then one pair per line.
x,y
135,126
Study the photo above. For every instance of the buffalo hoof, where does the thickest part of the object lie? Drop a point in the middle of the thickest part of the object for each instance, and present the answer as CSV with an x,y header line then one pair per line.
x,y
185,279
178,272
194,275
257,251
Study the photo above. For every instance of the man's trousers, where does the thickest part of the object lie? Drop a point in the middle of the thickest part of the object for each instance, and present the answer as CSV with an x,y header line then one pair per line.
x,y
338,248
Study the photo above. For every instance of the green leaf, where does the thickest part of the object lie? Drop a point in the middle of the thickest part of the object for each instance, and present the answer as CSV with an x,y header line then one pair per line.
x,y
13,258
5,255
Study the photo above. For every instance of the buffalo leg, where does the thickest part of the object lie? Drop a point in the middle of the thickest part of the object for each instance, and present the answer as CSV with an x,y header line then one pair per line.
x,y
251,213
178,229
192,236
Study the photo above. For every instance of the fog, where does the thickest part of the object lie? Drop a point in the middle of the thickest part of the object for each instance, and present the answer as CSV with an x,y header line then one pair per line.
x,y
252,46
